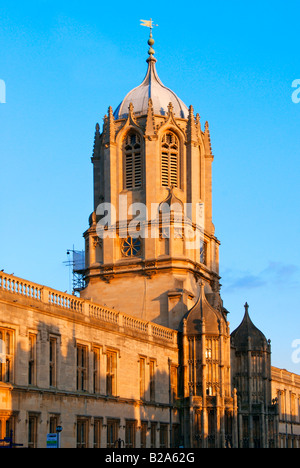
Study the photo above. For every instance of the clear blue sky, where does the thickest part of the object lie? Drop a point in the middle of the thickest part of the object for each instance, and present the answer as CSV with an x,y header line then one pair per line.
x,y
65,62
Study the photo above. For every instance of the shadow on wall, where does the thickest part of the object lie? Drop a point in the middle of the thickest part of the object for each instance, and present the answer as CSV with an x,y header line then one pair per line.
x,y
65,380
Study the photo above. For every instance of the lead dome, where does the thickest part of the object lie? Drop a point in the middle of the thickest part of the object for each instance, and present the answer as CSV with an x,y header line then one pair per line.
x,y
153,88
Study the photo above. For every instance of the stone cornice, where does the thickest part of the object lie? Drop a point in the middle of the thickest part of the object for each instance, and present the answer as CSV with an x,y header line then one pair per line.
x,y
85,395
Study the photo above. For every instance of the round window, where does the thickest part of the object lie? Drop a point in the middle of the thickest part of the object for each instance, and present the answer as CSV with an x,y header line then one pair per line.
x,y
131,247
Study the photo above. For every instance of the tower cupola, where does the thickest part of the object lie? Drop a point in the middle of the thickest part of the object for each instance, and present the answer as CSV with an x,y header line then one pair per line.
x,y
151,237
151,88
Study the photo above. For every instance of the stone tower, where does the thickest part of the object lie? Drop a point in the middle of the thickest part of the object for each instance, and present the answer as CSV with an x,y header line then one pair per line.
x,y
151,249
151,237
251,375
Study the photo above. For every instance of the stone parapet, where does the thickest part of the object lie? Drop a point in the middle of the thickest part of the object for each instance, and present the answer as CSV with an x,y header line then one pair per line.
x,y
39,295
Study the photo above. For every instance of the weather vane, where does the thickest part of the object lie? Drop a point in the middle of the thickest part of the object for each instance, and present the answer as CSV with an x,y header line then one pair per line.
x,y
149,24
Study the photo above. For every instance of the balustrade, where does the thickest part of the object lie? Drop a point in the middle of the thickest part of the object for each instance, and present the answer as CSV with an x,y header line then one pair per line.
x,y
58,299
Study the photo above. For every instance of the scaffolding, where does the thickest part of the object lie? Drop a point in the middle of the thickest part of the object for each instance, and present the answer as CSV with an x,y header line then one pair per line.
x,y
76,264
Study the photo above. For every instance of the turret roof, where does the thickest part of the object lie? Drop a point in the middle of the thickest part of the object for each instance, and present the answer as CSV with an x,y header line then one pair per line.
x,y
240,336
151,87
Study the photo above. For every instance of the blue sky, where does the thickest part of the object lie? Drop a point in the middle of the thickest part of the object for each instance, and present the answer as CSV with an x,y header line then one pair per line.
x,y
63,65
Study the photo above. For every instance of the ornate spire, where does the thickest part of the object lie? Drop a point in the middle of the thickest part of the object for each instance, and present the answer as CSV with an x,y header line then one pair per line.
x,y
198,125
151,51
131,117
207,141
109,127
153,88
150,122
149,24
170,109
97,142
111,124
191,127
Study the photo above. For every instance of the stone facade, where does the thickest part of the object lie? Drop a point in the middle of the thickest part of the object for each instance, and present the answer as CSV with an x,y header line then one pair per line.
x,y
104,375
285,389
144,357
100,374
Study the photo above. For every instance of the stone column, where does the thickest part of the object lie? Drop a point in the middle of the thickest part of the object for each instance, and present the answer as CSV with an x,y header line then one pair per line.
x,y
240,418
250,418
104,434
204,409
235,441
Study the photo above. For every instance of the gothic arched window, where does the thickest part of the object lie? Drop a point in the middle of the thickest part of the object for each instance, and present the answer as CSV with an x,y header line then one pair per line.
x,y
169,160
132,161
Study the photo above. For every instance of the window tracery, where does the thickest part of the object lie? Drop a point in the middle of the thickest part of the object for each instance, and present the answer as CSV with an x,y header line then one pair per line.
x,y
131,247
